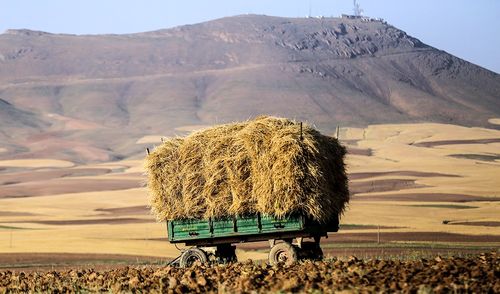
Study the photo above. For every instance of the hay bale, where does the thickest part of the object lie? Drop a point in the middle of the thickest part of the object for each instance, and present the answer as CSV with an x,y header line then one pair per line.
x,y
243,168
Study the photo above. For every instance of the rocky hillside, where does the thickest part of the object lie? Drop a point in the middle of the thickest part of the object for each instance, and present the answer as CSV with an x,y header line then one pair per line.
x,y
91,97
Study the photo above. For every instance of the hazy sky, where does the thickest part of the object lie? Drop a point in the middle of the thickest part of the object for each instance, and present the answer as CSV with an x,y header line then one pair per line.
x,y
469,29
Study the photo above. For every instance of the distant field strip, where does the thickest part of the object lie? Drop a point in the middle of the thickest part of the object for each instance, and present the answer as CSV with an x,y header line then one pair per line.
x,y
36,163
425,197
101,221
456,142
64,186
366,175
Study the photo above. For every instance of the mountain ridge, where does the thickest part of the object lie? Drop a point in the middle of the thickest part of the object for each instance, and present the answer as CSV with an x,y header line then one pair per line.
x,y
328,71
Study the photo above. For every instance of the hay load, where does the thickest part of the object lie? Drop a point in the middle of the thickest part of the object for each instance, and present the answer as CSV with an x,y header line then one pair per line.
x,y
266,165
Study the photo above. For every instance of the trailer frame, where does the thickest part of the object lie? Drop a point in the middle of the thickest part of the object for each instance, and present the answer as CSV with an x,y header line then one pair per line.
x,y
212,239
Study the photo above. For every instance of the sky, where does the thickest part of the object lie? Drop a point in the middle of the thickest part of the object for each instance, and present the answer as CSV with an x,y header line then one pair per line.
x,y
469,29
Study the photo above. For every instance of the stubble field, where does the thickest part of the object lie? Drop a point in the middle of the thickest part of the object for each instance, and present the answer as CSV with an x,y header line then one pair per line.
x,y
418,189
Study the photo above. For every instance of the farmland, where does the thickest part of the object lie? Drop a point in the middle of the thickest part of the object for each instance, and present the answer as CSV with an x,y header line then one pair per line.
x,y
411,196
479,274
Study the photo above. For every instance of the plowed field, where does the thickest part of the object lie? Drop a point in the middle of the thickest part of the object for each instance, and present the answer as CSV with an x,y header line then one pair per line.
x,y
478,274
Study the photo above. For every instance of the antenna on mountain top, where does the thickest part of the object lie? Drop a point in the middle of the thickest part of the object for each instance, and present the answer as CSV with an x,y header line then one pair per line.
x,y
309,15
357,9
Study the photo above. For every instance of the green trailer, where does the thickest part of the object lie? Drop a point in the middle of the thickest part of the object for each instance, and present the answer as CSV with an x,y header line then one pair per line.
x,y
290,238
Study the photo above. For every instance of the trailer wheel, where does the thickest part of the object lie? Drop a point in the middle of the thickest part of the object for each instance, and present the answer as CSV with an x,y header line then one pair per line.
x,y
189,257
283,253
310,250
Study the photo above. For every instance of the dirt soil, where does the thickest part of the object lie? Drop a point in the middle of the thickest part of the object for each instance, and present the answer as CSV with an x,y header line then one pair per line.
x,y
100,221
65,186
370,239
456,142
475,274
359,151
382,186
49,261
413,237
424,197
43,175
129,210
360,176
485,224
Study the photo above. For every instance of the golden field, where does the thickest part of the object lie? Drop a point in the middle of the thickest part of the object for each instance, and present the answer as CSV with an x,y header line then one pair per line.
x,y
413,182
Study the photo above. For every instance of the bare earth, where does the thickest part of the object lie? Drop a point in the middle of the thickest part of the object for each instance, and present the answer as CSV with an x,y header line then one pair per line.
x,y
407,192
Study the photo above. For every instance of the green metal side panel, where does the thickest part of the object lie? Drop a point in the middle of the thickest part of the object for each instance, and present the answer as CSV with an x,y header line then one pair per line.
x,y
188,229
248,225
223,227
170,230
197,229
271,224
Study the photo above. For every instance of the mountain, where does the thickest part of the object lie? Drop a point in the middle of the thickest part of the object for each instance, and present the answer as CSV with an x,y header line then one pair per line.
x,y
91,97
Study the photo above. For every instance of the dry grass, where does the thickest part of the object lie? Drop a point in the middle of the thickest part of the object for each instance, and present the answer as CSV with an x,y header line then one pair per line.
x,y
265,165
393,150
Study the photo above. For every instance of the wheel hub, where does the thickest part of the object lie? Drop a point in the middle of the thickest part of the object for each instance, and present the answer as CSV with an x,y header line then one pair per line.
x,y
283,256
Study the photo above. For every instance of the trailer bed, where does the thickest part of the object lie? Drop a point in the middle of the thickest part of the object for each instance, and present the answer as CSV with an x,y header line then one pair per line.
x,y
204,232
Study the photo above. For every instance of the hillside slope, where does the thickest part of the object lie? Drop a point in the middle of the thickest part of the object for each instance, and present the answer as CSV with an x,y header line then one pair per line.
x,y
90,97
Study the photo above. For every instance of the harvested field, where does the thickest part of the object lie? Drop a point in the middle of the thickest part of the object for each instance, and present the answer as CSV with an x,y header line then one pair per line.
x,y
456,189
13,213
101,221
14,169
132,175
480,157
10,228
43,175
403,252
483,224
366,175
456,142
130,210
64,186
359,151
352,238
477,274
414,237
450,206
49,261
425,197
382,186
349,227
35,163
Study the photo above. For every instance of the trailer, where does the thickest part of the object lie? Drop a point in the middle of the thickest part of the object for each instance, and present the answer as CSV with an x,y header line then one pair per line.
x,y
290,238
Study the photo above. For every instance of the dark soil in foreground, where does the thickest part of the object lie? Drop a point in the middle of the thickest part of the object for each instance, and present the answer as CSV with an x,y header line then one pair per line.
x,y
478,274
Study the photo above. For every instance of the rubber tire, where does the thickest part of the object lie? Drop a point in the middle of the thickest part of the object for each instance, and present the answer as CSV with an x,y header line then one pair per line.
x,y
311,251
283,253
189,257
